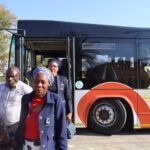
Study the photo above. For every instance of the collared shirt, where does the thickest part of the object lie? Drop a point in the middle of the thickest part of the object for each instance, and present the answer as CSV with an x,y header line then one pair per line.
x,y
10,101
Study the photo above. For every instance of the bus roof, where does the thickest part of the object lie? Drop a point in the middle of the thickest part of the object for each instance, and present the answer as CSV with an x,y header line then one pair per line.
x,y
45,28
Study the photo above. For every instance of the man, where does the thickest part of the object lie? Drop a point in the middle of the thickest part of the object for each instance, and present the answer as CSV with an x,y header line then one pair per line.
x,y
11,93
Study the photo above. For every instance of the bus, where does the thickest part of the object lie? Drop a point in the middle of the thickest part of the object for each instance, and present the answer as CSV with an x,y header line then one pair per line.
x,y
108,69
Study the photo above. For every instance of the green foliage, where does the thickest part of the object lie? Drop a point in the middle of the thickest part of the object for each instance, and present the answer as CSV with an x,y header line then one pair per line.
x,y
7,21
2,79
42,62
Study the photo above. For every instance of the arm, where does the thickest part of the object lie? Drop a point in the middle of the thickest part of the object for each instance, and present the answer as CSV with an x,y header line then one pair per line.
x,y
67,95
60,125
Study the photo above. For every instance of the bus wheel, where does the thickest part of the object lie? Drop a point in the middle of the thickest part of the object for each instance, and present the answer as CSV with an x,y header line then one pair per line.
x,y
107,116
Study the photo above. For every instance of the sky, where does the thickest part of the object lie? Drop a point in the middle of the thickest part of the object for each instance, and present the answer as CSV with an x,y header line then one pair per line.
x,y
130,13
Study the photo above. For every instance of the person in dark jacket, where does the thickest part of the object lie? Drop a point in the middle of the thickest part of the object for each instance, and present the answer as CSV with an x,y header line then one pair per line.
x,y
61,86
4,136
64,68
42,123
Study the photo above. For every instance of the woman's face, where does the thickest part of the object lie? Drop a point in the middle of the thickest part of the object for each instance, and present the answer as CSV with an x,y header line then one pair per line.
x,y
53,66
41,84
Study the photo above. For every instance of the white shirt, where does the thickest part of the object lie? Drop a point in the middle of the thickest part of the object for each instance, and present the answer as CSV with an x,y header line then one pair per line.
x,y
10,101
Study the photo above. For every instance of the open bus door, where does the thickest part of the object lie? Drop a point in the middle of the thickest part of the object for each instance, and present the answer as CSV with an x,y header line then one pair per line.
x,y
39,50
16,50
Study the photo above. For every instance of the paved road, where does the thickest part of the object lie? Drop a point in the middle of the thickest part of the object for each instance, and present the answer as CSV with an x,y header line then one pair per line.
x,y
125,140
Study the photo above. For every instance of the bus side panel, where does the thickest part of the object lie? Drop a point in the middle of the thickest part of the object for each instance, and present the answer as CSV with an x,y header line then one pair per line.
x,y
145,121
110,90
144,112
78,96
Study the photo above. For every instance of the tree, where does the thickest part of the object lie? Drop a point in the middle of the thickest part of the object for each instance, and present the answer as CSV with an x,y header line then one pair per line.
x,y
7,20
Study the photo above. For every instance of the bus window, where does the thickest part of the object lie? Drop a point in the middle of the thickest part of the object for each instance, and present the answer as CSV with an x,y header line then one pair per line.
x,y
100,60
144,70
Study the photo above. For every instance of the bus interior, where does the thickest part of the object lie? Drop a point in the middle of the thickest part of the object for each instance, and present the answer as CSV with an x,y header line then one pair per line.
x,y
46,48
37,52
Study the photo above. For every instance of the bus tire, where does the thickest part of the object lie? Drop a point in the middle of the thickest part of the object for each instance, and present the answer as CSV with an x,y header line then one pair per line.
x,y
107,116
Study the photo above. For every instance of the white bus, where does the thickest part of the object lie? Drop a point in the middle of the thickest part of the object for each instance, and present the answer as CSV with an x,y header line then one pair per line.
x,y
109,69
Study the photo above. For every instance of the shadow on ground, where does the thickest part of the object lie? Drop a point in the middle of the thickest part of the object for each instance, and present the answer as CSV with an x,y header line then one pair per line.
x,y
87,132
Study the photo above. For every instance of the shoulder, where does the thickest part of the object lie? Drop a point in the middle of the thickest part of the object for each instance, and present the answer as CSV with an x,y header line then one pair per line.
x,y
3,84
23,84
27,95
53,97
26,98
3,88
26,88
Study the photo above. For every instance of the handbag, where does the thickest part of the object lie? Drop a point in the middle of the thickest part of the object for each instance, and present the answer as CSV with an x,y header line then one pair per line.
x,y
71,130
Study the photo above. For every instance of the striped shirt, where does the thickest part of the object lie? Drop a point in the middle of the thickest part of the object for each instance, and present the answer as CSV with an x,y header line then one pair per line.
x,y
10,101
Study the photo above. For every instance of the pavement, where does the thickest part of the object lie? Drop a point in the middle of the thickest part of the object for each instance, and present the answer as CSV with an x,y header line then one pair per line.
x,y
124,140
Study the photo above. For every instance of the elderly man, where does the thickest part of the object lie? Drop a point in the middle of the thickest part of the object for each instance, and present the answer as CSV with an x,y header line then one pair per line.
x,y
11,93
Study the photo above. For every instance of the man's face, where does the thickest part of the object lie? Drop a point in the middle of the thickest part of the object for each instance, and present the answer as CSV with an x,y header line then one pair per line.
x,y
12,77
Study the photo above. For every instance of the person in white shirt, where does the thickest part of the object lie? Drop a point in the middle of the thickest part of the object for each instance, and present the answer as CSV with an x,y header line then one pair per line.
x,y
11,93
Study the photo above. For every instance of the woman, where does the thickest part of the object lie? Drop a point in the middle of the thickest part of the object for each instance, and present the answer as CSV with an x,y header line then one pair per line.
x,y
42,122
60,86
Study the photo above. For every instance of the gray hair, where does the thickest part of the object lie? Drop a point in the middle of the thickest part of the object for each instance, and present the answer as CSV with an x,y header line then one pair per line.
x,y
44,71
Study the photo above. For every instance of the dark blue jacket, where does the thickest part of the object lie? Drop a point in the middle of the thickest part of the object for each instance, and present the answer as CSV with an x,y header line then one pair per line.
x,y
64,91
54,136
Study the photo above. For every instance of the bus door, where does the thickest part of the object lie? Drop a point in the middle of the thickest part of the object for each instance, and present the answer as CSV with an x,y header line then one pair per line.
x,y
101,60
144,81
39,50
16,52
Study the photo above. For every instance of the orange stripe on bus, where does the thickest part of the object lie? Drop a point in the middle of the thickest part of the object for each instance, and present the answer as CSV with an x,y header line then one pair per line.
x,y
112,89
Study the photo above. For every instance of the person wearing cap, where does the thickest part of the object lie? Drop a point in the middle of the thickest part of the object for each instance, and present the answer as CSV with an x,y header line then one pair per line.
x,y
61,86
42,123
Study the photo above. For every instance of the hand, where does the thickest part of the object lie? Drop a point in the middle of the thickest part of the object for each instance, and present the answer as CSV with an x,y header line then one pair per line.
x,y
69,117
